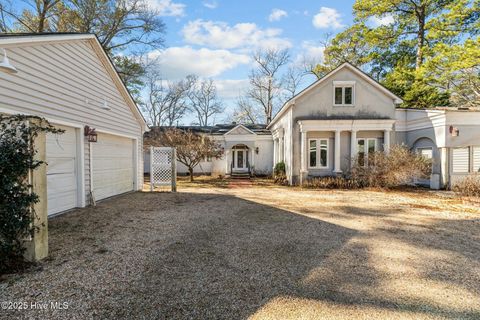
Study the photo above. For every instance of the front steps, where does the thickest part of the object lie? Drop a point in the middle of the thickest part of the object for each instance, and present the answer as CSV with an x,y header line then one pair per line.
x,y
240,175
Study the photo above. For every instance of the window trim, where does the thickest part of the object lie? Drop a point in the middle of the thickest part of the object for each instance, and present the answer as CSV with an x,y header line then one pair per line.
x,y
343,85
365,148
317,152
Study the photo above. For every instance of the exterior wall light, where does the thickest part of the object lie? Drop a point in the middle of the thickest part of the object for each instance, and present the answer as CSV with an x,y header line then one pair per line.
x,y
5,65
91,134
257,150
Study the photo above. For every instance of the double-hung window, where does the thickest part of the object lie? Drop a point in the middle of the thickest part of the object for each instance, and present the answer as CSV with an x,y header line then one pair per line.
x,y
343,93
318,153
365,149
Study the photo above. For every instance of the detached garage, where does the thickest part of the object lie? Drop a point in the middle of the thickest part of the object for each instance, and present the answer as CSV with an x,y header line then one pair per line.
x,y
69,80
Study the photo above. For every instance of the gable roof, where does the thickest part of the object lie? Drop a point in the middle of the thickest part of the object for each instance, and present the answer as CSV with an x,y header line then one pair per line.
x,y
241,126
348,65
25,38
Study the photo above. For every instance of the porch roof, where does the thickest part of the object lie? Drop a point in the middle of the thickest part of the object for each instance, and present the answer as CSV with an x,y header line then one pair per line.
x,y
346,125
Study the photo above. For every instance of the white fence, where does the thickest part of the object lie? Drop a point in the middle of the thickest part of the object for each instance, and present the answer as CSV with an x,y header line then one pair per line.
x,y
163,167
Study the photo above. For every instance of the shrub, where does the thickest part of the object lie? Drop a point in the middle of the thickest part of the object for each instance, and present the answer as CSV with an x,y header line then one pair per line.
x,y
468,187
332,183
279,173
399,166
17,151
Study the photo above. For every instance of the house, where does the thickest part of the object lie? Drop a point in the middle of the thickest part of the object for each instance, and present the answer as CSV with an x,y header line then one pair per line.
x,y
347,114
69,80
247,149
342,116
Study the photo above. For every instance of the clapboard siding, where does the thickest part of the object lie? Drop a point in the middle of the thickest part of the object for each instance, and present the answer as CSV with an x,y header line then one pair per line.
x,y
55,81
86,148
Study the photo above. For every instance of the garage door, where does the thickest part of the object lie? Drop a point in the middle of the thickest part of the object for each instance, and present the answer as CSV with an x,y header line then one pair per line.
x,y
112,166
61,170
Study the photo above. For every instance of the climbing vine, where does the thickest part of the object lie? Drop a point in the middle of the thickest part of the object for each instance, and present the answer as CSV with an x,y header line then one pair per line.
x,y
17,160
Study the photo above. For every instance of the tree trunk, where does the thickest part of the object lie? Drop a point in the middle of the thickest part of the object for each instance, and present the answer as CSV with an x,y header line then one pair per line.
x,y
420,37
190,171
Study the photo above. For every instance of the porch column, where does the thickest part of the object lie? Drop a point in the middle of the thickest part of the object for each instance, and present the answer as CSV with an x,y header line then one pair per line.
x,y
303,154
337,168
386,140
353,147
275,150
227,165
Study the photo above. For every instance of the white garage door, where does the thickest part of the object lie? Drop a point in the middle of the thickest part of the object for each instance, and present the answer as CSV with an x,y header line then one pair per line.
x,y
112,166
61,170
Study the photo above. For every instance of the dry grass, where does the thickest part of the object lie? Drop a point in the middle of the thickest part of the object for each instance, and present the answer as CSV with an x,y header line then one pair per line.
x,y
239,249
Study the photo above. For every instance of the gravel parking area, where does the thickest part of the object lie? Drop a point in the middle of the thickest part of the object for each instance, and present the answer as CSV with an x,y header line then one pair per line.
x,y
261,252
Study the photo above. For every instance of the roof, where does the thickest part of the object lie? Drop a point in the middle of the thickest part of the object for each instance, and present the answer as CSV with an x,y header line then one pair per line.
x,y
21,38
218,129
356,70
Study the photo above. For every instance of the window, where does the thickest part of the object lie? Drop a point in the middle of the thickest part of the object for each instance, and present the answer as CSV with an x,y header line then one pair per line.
x,y
460,161
426,152
344,93
365,148
318,153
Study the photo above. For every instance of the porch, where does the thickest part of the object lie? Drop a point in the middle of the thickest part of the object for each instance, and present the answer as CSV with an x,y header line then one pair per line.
x,y
328,147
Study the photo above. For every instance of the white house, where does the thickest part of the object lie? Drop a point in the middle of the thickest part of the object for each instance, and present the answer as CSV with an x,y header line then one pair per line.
x,y
247,149
69,80
347,114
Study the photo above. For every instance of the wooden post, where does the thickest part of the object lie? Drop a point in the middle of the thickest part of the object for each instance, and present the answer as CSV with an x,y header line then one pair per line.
x,y
174,170
37,246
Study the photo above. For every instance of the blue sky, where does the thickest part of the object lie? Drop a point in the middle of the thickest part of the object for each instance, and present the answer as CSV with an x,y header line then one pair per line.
x,y
215,38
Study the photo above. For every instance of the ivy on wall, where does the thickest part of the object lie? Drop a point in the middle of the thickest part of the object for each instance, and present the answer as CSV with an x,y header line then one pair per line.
x,y
17,160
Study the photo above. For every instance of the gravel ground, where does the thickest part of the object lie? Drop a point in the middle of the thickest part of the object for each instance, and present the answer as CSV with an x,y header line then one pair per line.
x,y
261,252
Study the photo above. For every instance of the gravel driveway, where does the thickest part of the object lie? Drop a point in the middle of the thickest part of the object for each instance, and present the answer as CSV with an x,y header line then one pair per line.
x,y
259,252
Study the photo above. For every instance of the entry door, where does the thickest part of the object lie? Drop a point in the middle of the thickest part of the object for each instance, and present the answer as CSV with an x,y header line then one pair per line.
x,y
240,160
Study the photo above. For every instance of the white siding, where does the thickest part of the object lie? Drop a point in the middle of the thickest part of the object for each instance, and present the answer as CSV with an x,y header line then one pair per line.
x,y
67,82
460,161
476,159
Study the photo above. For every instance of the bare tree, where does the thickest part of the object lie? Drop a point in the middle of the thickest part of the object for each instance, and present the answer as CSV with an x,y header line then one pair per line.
x,y
245,112
154,105
177,99
292,80
204,101
191,148
264,81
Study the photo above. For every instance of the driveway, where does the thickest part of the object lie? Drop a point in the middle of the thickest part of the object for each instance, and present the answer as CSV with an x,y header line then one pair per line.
x,y
262,252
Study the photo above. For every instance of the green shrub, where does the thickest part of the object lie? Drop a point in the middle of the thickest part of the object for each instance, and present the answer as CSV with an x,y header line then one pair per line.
x,y
468,187
279,173
17,152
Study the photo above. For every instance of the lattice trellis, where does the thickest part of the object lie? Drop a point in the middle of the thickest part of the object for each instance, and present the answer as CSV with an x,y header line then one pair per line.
x,y
163,169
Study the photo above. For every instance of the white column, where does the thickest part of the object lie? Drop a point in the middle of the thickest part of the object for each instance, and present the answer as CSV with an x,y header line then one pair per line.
x,y
227,165
386,140
337,168
275,150
353,147
304,152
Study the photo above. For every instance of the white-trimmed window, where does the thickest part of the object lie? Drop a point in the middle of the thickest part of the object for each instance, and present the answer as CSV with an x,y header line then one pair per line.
x,y
460,160
343,93
476,159
365,147
317,153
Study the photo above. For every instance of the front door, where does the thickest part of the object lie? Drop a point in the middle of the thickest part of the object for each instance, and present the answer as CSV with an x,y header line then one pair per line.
x,y
240,160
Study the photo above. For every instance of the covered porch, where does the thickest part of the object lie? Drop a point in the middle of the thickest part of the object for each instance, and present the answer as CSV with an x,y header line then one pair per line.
x,y
328,147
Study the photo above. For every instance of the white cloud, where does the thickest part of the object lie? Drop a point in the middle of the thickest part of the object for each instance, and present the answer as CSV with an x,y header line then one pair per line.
x,y
210,4
177,62
327,18
167,8
381,21
277,14
231,89
217,34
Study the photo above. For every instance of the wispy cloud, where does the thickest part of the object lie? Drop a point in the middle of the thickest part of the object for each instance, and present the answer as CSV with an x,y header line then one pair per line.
x,y
210,4
216,34
277,14
167,8
177,62
327,18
